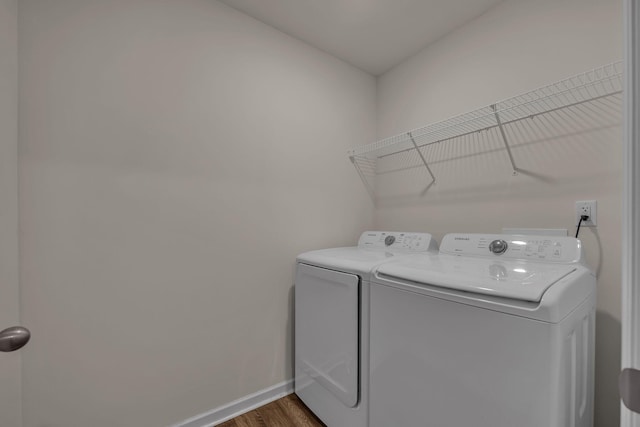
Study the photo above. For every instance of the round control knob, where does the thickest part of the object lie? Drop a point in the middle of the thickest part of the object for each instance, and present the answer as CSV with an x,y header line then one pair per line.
x,y
389,240
498,247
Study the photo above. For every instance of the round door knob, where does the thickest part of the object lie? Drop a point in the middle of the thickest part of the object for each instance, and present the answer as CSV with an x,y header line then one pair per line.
x,y
498,246
14,338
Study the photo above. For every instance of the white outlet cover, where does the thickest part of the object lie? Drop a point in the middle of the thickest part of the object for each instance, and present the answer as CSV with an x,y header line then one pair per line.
x,y
593,217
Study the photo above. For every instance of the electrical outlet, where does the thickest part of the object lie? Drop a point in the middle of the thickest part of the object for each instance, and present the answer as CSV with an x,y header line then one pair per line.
x,y
587,207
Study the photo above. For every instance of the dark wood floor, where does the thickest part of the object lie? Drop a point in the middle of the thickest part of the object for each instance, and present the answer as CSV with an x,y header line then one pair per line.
x,y
286,412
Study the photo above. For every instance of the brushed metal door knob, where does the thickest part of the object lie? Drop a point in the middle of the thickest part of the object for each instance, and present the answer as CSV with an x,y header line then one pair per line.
x,y
14,338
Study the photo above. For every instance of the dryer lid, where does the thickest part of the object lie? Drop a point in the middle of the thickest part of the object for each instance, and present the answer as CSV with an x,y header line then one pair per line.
x,y
351,259
374,247
520,280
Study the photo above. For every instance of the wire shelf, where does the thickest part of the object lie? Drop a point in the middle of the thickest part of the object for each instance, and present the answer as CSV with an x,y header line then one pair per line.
x,y
588,100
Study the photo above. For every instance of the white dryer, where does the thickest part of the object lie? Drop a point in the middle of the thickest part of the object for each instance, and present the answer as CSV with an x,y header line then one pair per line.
x,y
494,331
331,323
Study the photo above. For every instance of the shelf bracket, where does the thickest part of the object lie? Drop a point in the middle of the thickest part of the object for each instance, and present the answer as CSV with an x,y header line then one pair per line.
x,y
504,138
362,177
426,165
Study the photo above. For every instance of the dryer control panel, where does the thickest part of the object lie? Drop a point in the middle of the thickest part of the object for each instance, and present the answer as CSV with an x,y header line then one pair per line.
x,y
391,241
506,246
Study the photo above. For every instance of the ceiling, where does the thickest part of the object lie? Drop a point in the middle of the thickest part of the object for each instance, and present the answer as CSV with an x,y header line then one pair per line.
x,y
373,35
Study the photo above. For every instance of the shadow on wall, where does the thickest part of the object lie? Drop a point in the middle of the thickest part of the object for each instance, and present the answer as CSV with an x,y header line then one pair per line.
x,y
467,171
290,340
608,333
597,267
566,148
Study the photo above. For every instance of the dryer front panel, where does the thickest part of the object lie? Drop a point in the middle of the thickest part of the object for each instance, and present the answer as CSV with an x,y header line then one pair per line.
x,y
326,333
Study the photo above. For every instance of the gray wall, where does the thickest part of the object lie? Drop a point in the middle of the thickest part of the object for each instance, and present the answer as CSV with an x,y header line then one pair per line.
x,y
174,159
176,156
9,293
515,47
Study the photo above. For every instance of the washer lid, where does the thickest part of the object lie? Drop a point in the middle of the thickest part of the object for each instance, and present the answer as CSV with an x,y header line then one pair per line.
x,y
520,280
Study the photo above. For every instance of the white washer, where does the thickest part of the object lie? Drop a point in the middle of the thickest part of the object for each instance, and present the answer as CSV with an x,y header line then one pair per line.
x,y
331,318
494,331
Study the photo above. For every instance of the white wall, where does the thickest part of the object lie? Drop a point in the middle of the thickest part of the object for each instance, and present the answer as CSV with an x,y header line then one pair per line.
x,y
10,410
174,159
515,47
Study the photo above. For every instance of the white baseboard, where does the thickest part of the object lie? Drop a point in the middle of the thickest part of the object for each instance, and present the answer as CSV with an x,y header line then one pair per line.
x,y
239,407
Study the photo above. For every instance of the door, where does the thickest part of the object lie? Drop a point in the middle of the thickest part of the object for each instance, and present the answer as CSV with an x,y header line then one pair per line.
x,y
10,411
630,377
326,334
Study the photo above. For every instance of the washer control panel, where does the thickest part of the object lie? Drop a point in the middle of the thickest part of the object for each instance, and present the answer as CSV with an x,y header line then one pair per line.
x,y
535,248
391,241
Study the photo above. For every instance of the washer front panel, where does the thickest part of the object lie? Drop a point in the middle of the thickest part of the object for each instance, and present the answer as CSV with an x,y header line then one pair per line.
x,y
437,363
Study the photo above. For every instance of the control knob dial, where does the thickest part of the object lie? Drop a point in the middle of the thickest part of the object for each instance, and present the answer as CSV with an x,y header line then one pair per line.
x,y
498,246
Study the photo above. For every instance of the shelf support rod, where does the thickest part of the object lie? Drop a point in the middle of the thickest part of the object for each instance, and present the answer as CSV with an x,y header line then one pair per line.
x,y
426,165
362,177
504,138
